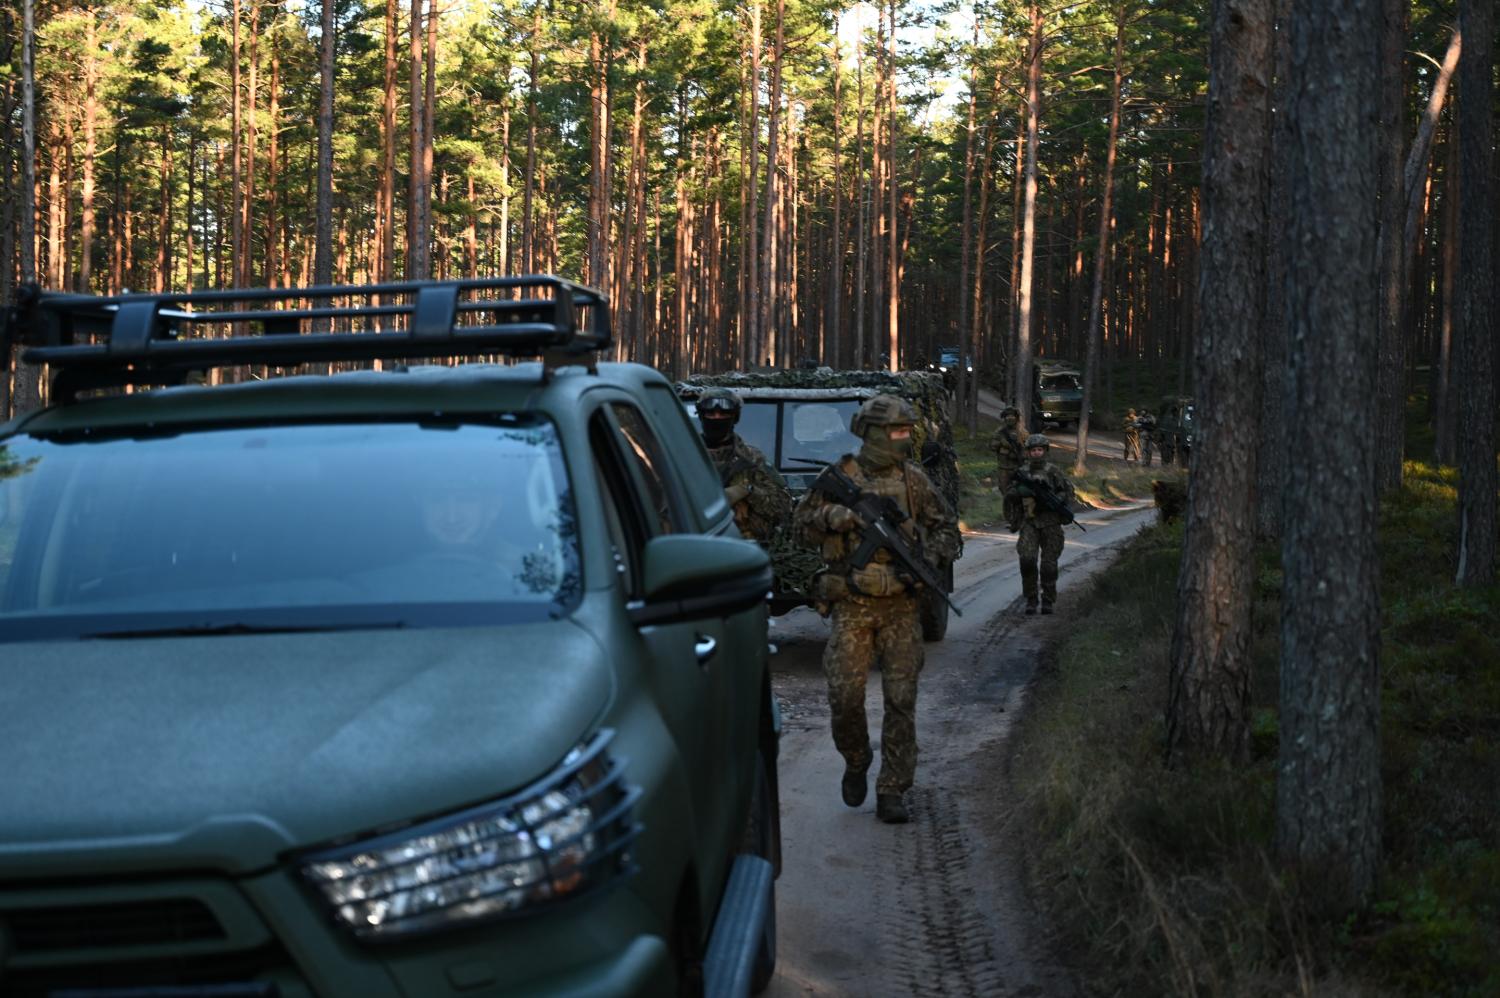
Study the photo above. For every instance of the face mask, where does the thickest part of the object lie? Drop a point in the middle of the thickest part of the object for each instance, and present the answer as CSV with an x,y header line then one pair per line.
x,y
1011,420
717,432
882,450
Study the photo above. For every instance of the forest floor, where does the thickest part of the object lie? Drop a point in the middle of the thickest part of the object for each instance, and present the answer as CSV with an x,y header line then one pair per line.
x,y
1161,882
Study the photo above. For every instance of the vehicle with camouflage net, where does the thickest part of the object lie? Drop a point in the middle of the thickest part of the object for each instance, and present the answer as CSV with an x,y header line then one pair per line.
x,y
800,420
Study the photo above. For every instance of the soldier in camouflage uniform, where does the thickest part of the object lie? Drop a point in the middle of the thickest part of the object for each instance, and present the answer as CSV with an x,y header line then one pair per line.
x,y
1040,529
1147,425
756,492
1006,443
875,608
1132,437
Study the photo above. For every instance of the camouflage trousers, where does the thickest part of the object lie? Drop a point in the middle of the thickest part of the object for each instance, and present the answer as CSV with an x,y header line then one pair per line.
x,y
1004,477
869,630
1147,443
1132,445
1048,542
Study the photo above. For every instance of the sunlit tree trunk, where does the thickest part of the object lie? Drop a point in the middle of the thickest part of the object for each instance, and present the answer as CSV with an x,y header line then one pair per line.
x,y
90,150
27,393
1208,710
323,263
416,209
386,267
1022,362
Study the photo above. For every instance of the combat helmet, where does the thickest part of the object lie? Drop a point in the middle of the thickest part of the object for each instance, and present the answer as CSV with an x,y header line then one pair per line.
x,y
1010,410
1038,440
882,410
719,402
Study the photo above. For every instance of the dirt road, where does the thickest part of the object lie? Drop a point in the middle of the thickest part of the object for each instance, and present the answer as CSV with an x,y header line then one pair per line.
x,y
936,907
1102,443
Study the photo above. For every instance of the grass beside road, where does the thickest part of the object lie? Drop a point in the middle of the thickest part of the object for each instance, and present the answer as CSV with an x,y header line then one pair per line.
x,y
1162,882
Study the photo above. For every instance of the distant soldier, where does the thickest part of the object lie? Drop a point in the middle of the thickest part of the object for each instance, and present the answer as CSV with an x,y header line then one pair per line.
x,y
1166,437
1147,425
1040,529
1132,437
1006,443
874,608
756,492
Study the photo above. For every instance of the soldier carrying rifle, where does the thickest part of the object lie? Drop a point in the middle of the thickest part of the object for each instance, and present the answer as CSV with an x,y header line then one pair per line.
x,y
882,530
1037,507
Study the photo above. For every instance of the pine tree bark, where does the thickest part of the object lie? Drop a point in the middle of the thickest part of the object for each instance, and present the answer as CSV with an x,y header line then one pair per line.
x,y
236,127
1271,454
752,329
1476,337
967,379
90,151
770,231
1021,386
1094,331
1391,425
832,347
1328,791
893,261
1208,707
416,207
27,393
246,277
323,261
528,222
386,267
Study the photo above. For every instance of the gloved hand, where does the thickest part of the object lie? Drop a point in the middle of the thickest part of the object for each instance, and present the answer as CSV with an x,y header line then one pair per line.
x,y
736,493
840,518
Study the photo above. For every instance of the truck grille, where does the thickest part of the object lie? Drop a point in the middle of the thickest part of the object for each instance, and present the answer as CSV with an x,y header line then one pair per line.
x,y
231,973
141,923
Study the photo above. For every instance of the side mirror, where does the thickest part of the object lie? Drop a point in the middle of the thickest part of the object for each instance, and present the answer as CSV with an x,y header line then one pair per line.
x,y
693,577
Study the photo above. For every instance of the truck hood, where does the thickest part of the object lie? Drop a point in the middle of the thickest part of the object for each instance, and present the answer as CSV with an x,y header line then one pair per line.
x,y
224,752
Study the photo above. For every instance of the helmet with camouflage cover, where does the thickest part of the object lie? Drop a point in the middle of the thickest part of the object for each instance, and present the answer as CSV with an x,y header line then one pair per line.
x,y
1034,441
719,402
1038,440
1010,410
883,410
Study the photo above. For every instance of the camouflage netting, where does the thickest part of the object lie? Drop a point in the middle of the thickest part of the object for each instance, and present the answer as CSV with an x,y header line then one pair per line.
x,y
795,565
923,389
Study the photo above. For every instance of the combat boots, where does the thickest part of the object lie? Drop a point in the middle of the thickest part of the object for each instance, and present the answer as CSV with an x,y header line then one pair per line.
x,y
854,787
891,809
1031,606
1046,608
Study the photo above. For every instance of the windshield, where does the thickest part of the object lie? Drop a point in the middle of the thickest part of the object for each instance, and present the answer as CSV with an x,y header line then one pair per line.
x,y
1059,382
817,433
286,527
757,425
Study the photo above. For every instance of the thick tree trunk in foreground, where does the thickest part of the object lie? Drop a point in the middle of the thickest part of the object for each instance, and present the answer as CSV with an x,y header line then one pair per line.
x,y
1271,449
1101,253
1328,792
1476,335
1208,710
1391,427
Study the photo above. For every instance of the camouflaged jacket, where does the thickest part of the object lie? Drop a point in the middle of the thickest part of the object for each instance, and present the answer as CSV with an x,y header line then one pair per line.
x,y
1010,452
757,493
1019,507
929,519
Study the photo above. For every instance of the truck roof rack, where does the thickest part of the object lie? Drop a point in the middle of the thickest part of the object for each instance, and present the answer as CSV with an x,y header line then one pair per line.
x,y
160,338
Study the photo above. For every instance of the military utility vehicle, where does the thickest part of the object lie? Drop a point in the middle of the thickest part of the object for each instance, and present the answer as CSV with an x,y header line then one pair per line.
x,y
800,421
423,681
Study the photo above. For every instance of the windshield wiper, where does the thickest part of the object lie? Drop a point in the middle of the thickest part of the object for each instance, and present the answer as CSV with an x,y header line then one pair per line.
x,y
227,629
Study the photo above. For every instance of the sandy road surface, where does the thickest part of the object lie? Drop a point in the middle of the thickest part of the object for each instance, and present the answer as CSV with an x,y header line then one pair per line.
x,y
934,907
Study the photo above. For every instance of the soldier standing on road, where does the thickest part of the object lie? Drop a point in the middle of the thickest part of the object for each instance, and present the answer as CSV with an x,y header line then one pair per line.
x,y
1006,443
874,608
1132,437
1147,423
1040,530
756,492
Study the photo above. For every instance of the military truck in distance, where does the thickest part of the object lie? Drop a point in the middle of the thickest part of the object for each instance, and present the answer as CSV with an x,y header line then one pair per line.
x,y
1175,429
1056,395
800,421
425,681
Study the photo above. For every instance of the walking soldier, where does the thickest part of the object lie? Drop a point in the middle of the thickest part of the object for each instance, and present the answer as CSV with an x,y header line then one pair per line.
x,y
756,492
1037,507
874,607
1006,443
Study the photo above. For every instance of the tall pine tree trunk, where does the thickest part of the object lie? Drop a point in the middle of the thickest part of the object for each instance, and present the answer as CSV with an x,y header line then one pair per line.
x,y
323,261
1021,386
1208,710
1094,330
1328,791
1476,335
1391,427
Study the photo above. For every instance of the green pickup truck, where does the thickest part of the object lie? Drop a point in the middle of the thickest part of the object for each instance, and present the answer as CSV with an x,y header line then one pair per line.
x,y
423,681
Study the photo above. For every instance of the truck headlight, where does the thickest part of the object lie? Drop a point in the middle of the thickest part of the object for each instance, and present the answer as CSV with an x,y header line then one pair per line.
x,y
560,837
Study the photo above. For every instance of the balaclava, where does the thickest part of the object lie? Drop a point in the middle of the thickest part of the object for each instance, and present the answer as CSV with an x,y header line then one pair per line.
x,y
886,446
718,431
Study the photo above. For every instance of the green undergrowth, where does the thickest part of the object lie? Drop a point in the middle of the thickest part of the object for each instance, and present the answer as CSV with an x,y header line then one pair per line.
x,y
979,504
1162,882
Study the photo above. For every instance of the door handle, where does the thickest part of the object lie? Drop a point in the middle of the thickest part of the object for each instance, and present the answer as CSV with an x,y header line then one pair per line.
x,y
705,648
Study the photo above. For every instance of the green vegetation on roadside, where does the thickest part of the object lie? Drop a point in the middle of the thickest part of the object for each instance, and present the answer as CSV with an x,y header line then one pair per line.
x,y
1163,882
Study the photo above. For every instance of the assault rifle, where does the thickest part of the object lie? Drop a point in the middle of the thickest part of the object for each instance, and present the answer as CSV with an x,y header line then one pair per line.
x,y
882,519
1036,488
